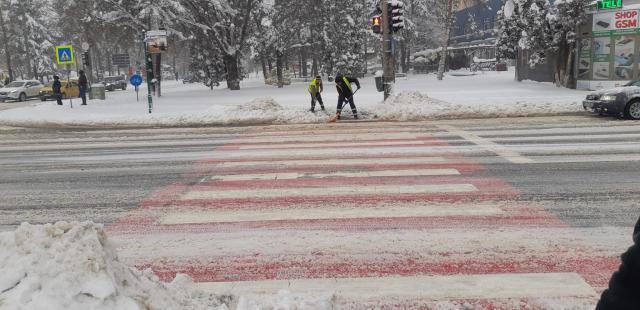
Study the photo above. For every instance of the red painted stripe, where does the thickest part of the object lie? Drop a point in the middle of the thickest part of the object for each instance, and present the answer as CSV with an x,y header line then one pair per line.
x,y
463,168
353,200
326,265
352,224
450,156
483,184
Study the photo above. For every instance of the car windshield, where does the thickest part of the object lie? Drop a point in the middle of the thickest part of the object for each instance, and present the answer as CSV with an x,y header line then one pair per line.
x,y
49,84
633,83
15,84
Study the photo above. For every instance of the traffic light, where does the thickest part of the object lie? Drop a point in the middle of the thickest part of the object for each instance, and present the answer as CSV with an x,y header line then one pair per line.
x,y
396,20
86,59
376,24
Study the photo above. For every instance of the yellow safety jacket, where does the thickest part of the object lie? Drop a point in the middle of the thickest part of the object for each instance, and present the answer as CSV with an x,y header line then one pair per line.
x,y
314,87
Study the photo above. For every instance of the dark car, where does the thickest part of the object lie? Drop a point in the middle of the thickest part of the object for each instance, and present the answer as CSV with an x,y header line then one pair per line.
x,y
112,83
622,101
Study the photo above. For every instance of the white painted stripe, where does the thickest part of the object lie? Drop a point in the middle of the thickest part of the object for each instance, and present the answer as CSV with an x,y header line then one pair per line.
x,y
330,191
569,137
373,129
337,162
573,158
358,174
558,130
324,212
487,286
500,150
311,137
339,144
417,150
473,243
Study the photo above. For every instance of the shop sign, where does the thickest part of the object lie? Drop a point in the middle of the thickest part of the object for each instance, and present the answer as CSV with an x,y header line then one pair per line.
x,y
609,4
619,22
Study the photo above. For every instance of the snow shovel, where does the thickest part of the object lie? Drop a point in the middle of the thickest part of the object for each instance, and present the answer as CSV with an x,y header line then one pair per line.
x,y
334,118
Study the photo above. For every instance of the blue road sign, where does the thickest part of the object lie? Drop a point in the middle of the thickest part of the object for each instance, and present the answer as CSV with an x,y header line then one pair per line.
x,y
64,55
135,80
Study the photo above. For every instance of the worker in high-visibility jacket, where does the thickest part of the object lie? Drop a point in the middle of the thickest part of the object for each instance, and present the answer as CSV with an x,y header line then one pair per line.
x,y
345,93
315,88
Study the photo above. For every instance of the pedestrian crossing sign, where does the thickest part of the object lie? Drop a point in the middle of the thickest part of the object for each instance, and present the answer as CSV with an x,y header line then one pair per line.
x,y
64,55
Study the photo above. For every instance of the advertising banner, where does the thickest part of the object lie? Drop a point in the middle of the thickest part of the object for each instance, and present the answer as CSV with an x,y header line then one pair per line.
x,y
616,22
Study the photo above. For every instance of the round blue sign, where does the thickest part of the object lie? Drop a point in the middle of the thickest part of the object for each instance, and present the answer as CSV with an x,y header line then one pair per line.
x,y
135,80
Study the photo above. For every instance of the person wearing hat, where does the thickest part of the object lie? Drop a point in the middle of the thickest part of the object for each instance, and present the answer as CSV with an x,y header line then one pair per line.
x,y
56,88
315,88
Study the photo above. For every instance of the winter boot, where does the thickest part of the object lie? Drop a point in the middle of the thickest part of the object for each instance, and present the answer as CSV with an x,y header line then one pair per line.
x,y
338,113
355,114
322,107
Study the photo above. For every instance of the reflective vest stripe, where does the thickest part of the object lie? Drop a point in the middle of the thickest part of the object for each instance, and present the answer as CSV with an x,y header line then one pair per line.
x,y
346,82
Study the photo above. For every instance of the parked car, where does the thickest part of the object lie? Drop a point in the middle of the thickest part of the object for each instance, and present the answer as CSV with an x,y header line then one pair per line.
x,y
112,83
20,90
190,79
622,101
69,90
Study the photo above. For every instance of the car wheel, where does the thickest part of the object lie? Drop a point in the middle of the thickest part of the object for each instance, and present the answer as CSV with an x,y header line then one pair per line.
x,y
22,97
43,99
632,111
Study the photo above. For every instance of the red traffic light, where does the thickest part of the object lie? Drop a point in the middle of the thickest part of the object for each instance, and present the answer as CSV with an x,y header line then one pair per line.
x,y
376,24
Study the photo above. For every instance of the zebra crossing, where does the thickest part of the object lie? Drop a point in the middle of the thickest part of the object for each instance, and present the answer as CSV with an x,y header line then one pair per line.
x,y
378,215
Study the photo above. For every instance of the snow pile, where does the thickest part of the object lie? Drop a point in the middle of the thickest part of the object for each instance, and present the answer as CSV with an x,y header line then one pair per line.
x,y
415,106
73,266
268,111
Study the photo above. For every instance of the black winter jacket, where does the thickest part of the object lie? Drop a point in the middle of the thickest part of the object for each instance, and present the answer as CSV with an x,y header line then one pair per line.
x,y
624,287
56,87
342,87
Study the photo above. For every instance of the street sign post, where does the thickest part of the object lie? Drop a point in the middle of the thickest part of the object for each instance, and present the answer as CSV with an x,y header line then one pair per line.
x,y
136,80
121,60
64,55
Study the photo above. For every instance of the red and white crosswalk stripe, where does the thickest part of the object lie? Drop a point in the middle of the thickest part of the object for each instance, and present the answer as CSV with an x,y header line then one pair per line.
x,y
383,216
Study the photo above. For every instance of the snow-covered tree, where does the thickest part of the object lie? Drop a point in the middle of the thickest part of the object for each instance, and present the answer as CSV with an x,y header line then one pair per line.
x,y
539,28
342,39
27,26
566,16
228,24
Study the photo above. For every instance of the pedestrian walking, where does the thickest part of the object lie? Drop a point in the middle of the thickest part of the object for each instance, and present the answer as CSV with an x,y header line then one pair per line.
x,y
624,287
56,88
345,93
315,88
82,84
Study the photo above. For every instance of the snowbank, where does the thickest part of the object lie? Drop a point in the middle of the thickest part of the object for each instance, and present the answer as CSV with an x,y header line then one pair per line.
x,y
73,266
416,106
69,266
462,94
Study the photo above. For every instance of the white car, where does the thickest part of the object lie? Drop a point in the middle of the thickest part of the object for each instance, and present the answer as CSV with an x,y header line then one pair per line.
x,y
20,90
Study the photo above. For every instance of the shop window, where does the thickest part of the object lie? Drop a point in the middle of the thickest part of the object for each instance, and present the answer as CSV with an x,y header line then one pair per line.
x,y
623,57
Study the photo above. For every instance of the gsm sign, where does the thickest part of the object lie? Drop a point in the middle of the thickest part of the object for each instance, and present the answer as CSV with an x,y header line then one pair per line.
x,y
626,19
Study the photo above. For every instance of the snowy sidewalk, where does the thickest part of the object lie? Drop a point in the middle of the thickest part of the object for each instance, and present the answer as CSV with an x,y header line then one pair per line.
x,y
419,97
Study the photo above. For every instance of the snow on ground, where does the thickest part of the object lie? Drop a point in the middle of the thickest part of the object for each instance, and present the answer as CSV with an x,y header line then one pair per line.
x,y
418,97
69,266
73,266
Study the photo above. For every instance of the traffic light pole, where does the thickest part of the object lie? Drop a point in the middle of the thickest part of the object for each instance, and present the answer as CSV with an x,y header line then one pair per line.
x,y
388,75
149,68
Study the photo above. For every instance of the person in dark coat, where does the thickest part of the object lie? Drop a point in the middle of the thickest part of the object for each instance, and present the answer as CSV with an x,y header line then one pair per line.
x,y
624,287
345,93
56,88
83,84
